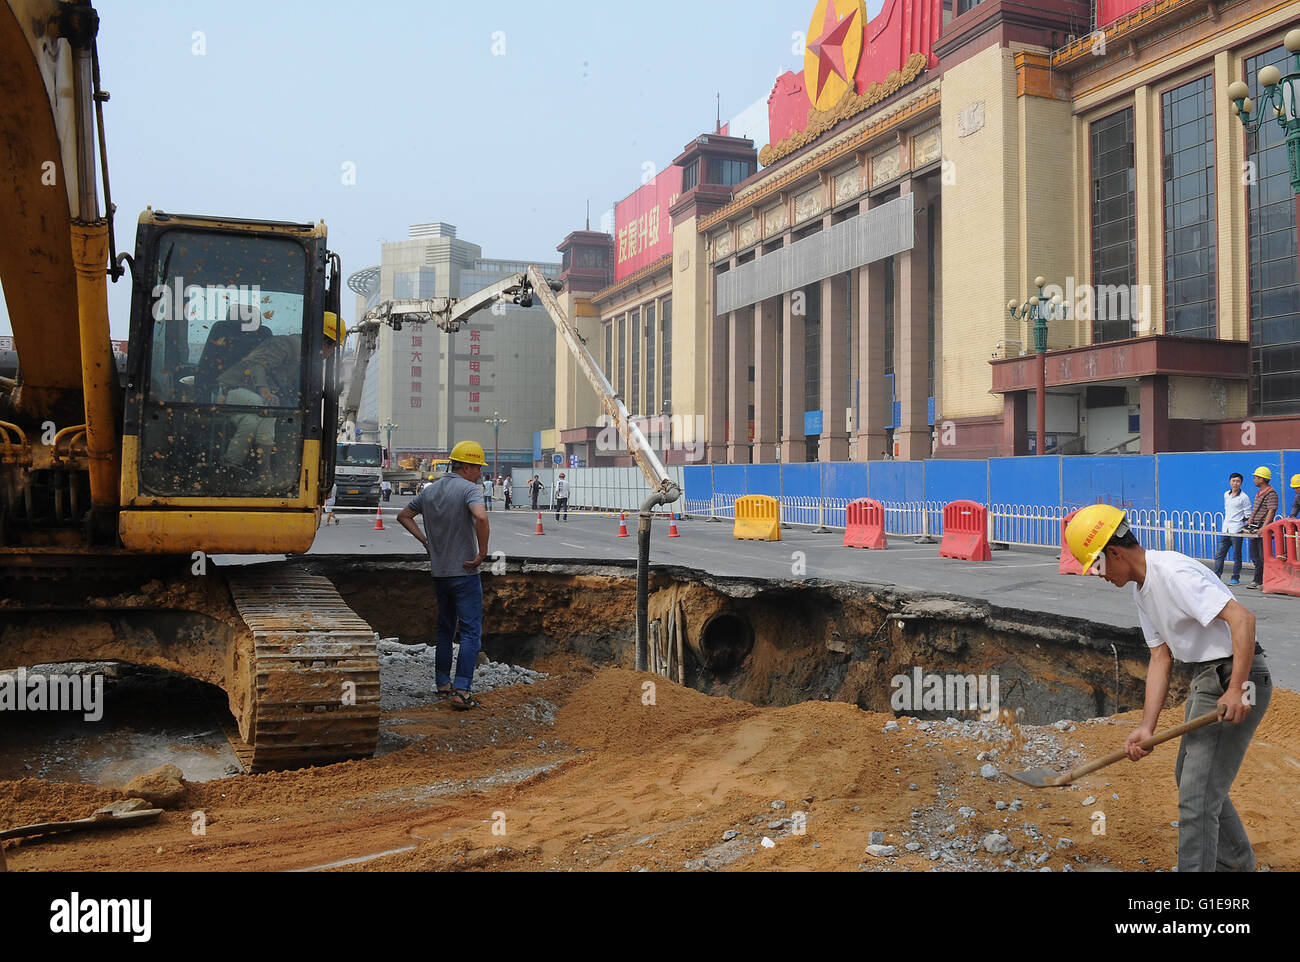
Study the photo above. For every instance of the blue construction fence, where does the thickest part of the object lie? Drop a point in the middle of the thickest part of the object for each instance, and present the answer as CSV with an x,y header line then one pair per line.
x,y
1174,501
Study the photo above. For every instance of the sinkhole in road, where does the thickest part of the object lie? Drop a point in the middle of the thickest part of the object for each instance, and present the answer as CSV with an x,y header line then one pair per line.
x,y
778,643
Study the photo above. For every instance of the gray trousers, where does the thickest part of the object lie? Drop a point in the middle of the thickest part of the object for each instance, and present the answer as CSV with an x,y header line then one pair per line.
x,y
1211,837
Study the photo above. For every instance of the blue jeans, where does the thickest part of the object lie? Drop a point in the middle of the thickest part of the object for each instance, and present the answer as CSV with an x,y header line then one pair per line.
x,y
1226,543
460,604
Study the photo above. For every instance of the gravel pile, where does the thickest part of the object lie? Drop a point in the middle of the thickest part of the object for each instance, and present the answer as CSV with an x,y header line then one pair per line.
x,y
407,674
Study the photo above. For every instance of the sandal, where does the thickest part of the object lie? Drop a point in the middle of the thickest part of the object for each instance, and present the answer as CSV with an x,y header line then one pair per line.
x,y
444,692
463,700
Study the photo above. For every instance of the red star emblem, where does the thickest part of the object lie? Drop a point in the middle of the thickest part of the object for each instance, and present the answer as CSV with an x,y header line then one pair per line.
x,y
829,47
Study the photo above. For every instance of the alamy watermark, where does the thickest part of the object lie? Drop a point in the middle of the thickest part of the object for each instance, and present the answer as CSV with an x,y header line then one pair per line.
x,y
1105,302
920,691
36,691
662,433
209,303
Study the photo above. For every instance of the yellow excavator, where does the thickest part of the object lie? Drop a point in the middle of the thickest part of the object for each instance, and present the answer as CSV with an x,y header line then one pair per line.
x,y
218,438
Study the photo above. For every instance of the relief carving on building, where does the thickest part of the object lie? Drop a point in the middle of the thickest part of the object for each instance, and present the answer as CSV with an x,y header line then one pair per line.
x,y
747,233
885,166
927,146
775,219
808,204
970,119
722,244
848,184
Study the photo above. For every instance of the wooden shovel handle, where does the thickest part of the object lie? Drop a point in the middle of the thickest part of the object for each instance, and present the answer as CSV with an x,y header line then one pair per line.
x,y
1208,718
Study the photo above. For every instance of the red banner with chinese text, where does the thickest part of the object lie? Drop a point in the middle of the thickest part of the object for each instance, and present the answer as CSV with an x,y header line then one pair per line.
x,y
642,228
1112,10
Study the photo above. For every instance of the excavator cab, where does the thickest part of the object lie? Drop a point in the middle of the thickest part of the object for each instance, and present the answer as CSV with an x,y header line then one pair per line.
x,y
230,385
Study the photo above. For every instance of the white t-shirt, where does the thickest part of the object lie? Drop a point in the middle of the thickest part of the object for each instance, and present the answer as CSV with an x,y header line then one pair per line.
x,y
1179,604
561,488
1236,509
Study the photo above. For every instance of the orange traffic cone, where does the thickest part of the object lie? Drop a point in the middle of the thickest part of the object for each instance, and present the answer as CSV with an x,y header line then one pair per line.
x,y
539,524
379,518
622,526
672,526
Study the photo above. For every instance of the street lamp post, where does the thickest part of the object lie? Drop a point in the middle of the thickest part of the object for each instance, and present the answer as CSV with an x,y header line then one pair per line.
x,y
389,427
496,421
1036,309
1283,94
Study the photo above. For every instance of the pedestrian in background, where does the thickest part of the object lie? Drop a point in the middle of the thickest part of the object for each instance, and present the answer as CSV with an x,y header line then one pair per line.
x,y
1236,508
329,505
508,487
455,534
387,488
499,490
1263,512
487,492
535,489
561,497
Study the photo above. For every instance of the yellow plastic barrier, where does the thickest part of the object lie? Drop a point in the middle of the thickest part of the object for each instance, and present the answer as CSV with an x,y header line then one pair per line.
x,y
758,518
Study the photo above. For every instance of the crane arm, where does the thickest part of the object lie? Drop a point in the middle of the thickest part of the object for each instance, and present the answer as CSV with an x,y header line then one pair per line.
x,y
450,313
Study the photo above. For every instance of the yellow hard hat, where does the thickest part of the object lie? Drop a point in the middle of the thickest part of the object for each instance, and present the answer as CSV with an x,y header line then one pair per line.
x,y
1090,530
469,452
1295,480
1263,472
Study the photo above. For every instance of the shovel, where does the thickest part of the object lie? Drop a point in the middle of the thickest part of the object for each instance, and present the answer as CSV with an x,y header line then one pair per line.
x,y
1047,778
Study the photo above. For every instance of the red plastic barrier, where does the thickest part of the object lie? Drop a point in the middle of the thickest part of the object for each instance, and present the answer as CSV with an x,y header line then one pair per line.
x,y
865,524
1282,557
1069,563
965,532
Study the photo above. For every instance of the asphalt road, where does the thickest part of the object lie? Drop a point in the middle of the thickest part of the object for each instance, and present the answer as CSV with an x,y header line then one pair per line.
x,y
1018,578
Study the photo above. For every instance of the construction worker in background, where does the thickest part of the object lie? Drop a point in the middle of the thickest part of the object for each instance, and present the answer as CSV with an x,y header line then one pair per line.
x,y
1263,512
1189,615
456,536
1295,505
561,497
1236,508
534,489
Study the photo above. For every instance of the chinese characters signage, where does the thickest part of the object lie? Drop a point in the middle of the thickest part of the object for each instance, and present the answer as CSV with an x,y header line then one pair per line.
x,y
642,228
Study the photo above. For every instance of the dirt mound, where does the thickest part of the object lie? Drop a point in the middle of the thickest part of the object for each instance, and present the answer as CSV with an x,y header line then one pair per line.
x,y
633,712
32,800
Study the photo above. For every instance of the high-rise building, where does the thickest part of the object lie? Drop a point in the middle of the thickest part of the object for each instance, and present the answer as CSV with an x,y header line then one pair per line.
x,y
436,388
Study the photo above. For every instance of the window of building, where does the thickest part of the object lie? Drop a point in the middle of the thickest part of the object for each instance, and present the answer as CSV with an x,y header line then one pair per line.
x,y
666,340
1191,289
1274,293
649,310
727,172
609,351
1114,225
930,257
964,6
690,175
634,334
812,353
622,356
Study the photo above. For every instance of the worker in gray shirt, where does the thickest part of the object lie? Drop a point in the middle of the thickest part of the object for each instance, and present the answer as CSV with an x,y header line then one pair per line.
x,y
456,537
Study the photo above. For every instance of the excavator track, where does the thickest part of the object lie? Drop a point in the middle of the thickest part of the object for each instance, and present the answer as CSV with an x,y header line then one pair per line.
x,y
314,673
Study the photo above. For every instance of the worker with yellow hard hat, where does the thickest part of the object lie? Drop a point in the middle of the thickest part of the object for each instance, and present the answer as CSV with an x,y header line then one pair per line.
x,y
1262,513
455,535
1295,505
1188,615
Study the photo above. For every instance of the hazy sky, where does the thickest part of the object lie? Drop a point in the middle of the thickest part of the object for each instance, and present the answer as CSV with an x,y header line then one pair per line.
x,y
253,109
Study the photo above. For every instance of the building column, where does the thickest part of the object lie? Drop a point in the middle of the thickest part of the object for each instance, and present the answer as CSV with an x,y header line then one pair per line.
x,y
874,410
834,443
717,392
1155,413
1015,425
740,326
794,446
766,377
911,375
